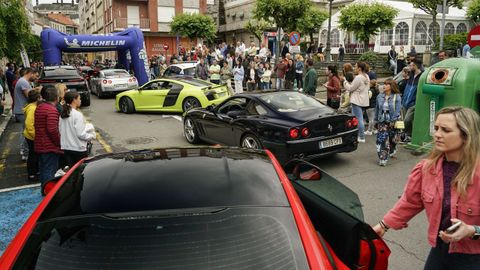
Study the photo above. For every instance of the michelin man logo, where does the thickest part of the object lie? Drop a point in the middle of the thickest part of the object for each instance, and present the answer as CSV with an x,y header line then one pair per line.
x,y
143,56
73,44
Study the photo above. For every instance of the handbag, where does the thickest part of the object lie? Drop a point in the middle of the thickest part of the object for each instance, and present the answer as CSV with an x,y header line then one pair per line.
x,y
399,124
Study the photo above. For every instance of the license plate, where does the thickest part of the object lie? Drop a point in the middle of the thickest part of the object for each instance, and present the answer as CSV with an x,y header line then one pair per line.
x,y
121,86
330,143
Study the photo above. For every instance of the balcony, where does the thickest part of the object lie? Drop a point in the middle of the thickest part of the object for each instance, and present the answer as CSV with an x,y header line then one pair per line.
x,y
120,24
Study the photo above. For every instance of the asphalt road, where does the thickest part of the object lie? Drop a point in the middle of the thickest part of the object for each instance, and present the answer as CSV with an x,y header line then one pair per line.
x,y
378,187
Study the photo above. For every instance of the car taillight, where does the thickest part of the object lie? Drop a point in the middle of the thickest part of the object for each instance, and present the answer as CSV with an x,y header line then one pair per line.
x,y
305,132
294,133
351,123
107,82
46,81
76,80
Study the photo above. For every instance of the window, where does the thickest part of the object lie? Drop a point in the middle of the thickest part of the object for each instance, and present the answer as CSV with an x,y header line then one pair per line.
x,y
235,104
253,108
433,32
323,37
191,10
401,34
291,102
335,38
421,33
449,29
386,37
461,28
165,14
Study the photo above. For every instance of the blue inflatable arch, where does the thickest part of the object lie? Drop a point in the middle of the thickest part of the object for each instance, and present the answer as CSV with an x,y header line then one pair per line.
x,y
55,42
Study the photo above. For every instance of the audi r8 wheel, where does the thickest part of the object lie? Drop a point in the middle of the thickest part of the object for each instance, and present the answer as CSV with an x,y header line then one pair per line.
x,y
126,105
190,131
250,141
190,103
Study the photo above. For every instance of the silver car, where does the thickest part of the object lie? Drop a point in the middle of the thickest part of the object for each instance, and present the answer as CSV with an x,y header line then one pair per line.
x,y
112,81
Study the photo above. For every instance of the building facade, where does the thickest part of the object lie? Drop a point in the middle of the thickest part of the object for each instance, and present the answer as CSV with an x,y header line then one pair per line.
x,y
69,8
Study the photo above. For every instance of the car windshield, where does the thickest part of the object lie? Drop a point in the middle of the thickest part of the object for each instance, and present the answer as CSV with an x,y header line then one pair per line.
x,y
290,101
241,238
116,74
61,72
189,71
195,82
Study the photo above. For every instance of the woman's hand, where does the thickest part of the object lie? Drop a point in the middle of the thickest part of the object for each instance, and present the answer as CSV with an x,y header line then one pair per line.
x,y
463,231
379,230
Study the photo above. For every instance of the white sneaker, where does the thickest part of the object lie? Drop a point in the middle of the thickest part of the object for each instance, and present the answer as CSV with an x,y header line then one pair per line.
x,y
382,163
393,154
360,140
369,133
24,158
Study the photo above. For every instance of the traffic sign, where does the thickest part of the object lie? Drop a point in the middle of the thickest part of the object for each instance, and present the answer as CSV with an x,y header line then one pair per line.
x,y
294,38
294,49
474,37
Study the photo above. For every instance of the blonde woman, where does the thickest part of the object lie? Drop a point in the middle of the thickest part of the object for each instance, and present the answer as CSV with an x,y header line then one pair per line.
x,y
62,89
299,67
447,186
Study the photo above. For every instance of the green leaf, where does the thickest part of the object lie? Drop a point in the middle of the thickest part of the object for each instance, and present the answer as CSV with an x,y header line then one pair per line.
x,y
194,26
473,11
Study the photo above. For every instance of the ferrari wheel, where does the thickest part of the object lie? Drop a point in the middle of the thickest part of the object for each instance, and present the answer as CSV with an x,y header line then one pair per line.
x,y
126,105
190,131
190,103
250,141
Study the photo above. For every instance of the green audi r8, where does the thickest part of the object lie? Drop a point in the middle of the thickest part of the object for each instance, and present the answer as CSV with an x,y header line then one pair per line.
x,y
171,95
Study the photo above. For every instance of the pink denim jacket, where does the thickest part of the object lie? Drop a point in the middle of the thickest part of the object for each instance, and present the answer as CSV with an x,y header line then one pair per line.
x,y
424,190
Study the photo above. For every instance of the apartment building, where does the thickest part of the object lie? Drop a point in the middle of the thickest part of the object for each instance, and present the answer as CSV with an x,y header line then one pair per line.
x,y
153,17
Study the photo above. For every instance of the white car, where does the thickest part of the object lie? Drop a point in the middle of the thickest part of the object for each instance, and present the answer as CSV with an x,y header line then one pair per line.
x,y
112,81
186,69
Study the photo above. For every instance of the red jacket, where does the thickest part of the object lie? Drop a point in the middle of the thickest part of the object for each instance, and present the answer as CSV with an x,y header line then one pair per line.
x,y
424,190
47,135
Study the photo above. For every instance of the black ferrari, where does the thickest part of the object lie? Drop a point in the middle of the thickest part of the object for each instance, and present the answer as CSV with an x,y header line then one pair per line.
x,y
289,123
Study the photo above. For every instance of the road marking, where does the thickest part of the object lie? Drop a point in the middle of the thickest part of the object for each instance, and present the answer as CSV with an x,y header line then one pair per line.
x,y
103,143
179,118
6,151
19,187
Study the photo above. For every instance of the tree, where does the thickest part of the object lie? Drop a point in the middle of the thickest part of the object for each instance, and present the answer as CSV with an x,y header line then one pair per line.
x,y
14,28
473,11
257,27
366,20
284,14
194,26
33,46
311,21
430,7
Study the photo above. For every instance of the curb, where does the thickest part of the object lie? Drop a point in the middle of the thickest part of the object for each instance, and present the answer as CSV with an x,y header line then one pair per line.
x,y
4,124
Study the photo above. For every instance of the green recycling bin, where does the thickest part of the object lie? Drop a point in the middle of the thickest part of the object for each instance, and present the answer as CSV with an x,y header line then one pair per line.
x,y
454,81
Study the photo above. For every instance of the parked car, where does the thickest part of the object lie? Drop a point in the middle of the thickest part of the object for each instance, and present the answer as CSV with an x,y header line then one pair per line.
x,y
231,209
171,95
68,75
290,124
112,81
186,69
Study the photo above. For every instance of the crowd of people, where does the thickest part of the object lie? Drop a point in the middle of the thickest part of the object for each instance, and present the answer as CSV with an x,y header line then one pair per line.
x,y
55,133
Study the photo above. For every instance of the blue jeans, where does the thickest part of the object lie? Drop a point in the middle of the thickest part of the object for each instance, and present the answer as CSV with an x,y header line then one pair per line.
x,y
265,85
23,143
48,165
280,83
358,113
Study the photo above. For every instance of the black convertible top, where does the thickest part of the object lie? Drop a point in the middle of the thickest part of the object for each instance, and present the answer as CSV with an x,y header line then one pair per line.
x,y
169,179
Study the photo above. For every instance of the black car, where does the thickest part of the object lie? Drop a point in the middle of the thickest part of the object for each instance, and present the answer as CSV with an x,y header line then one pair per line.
x,y
69,76
290,124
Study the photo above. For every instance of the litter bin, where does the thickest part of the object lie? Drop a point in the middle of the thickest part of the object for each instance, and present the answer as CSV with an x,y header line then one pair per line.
x,y
454,81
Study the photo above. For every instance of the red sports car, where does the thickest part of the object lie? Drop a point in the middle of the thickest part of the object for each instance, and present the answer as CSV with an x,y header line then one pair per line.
x,y
196,208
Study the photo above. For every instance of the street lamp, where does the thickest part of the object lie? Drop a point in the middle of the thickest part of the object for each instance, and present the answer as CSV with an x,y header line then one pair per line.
x,y
328,49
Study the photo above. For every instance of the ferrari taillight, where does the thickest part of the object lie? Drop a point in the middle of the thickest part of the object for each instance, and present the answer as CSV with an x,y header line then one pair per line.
x,y
107,81
294,133
352,123
305,132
